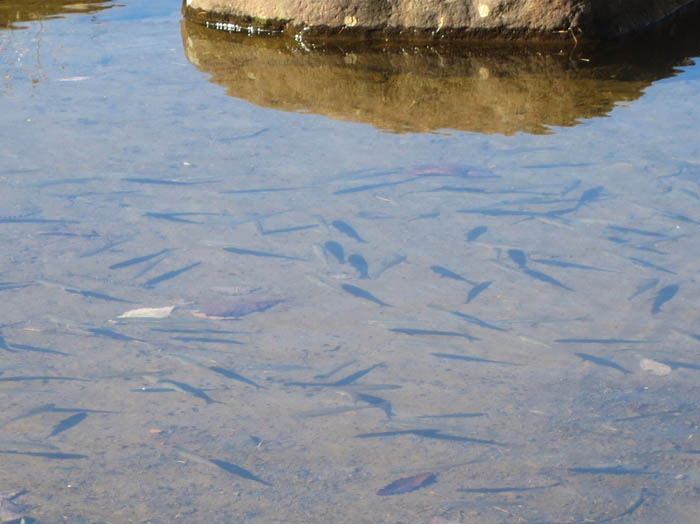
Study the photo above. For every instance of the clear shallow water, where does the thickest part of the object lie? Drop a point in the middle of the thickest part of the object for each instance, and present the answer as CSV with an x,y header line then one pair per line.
x,y
117,145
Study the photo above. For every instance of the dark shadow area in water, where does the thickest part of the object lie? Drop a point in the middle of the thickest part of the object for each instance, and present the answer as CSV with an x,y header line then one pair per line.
x,y
14,12
487,88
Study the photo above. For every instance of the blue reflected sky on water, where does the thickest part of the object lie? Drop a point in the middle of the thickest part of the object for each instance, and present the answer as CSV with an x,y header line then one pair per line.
x,y
564,391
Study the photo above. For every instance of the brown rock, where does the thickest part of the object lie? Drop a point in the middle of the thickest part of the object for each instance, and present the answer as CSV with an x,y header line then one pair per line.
x,y
437,19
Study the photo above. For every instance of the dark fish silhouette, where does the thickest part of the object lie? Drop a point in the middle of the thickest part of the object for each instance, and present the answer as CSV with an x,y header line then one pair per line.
x,y
680,365
598,341
160,181
642,232
361,293
545,278
408,484
446,273
644,286
24,347
602,362
174,217
25,378
235,376
433,332
195,392
615,470
335,249
67,423
477,290
170,274
472,359
47,455
287,229
474,320
345,381
108,333
376,402
428,433
572,265
237,470
665,294
360,264
207,340
506,490
99,296
138,260
476,232
347,229
517,256
237,309
264,254
649,265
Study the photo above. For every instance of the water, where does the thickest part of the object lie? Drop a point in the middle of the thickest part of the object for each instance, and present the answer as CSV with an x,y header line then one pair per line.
x,y
129,133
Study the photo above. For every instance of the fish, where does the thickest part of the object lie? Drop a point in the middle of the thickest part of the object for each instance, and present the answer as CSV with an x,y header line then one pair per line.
x,y
207,340
545,278
635,231
427,433
673,364
376,402
649,265
602,362
152,390
348,230
433,332
99,296
51,408
237,309
472,359
517,256
160,181
476,232
195,392
477,290
235,376
360,264
473,320
572,265
664,295
361,293
345,381
614,470
506,490
47,455
599,341
260,190
454,415
68,423
335,249
169,275
408,484
368,187
264,254
334,370
108,333
24,347
644,286
589,195
109,245
25,378
9,511
138,260
237,470
446,273
394,261
288,229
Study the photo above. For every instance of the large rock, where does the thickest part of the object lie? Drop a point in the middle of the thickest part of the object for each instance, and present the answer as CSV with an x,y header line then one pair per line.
x,y
437,19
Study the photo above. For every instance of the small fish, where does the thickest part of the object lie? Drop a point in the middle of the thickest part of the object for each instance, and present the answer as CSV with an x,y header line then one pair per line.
x,y
545,278
517,256
649,265
167,276
109,245
24,378
454,415
476,232
590,195
236,309
207,340
427,433
235,376
368,187
264,254
506,490
24,347
599,341
376,402
474,320
348,230
642,232
360,264
237,470
334,370
195,392
680,365
357,375
93,294
108,333
160,182
361,293
173,217
433,332
288,229
602,362
67,423
477,290
51,408
472,359
152,390
408,484
644,286
665,294
615,470
47,455
446,273
138,260
572,265
335,249
9,511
